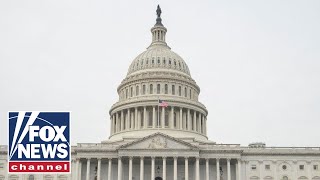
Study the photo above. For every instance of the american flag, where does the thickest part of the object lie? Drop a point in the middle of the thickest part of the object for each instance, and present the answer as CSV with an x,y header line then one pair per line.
x,y
163,103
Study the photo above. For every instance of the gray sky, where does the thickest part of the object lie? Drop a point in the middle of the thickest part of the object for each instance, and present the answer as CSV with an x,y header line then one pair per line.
x,y
257,62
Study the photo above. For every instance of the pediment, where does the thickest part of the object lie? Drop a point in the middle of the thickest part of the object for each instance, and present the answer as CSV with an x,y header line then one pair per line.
x,y
159,141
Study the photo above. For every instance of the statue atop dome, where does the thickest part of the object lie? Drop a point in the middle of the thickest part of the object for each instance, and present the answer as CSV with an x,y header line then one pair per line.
x,y
159,16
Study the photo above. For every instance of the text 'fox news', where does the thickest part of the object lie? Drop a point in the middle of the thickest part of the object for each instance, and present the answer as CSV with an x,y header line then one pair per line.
x,y
39,142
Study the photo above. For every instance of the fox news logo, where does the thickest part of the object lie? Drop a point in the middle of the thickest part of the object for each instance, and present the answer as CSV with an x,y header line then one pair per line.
x,y
39,142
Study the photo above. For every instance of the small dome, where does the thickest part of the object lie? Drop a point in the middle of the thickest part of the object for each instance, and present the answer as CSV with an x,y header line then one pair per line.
x,y
158,57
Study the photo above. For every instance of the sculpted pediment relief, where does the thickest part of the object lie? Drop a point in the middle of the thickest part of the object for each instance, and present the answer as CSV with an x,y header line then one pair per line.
x,y
158,141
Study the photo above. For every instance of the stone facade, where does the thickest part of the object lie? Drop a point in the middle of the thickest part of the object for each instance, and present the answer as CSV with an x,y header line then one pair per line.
x,y
151,142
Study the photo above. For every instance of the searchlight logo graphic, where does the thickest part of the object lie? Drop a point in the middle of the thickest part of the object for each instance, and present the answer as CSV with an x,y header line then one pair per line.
x,y
39,142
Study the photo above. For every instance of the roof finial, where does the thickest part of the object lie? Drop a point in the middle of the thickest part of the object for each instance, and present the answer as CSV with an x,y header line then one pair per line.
x,y
158,16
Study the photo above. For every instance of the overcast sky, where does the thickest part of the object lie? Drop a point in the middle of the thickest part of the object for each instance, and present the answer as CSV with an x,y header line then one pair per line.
x,y
257,62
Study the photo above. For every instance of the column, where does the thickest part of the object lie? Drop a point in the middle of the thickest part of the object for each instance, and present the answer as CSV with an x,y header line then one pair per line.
x,y
128,119
132,120
130,168
186,168
99,169
218,168
197,169
175,168
194,120
139,119
152,167
118,122
207,169
275,169
171,122
164,167
88,169
228,169
180,119
109,168
154,117
239,169
189,120
162,117
205,125
145,124
141,168
77,169
260,170
119,169
111,125
199,123
122,121
136,118
80,169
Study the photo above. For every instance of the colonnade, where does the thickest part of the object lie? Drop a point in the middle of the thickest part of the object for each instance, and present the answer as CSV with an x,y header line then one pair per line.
x,y
164,167
147,117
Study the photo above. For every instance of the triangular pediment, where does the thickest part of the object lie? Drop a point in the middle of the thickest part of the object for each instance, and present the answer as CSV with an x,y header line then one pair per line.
x,y
159,141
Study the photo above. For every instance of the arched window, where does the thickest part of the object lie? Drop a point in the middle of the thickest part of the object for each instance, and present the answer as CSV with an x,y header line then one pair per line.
x,y
151,89
143,89
185,92
166,88
158,88
180,93
173,90
190,94
31,177
131,92
137,90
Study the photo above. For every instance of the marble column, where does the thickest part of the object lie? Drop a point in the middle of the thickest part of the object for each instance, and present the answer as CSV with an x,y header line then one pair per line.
x,y
130,168
145,123
109,168
119,169
154,117
80,169
180,120
88,169
189,120
207,169
118,122
99,169
136,118
152,167
197,168
199,123
228,169
111,125
171,122
239,169
164,167
128,119
141,168
218,168
195,120
163,117
186,168
175,168
77,169
205,125
122,121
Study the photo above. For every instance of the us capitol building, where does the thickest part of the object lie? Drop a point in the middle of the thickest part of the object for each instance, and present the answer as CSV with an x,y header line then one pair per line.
x,y
170,143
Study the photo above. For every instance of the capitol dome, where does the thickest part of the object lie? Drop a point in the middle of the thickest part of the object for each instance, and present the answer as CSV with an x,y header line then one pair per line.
x,y
158,74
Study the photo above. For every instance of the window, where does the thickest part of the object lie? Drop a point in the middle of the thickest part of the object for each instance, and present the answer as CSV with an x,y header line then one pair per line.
x,y
151,89
137,90
150,118
267,167
158,88
164,61
301,167
166,88
175,120
253,167
131,91
142,62
169,62
190,94
147,61
173,90
143,89
152,60
126,93
166,119
180,91
158,60
284,167
315,167
31,177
